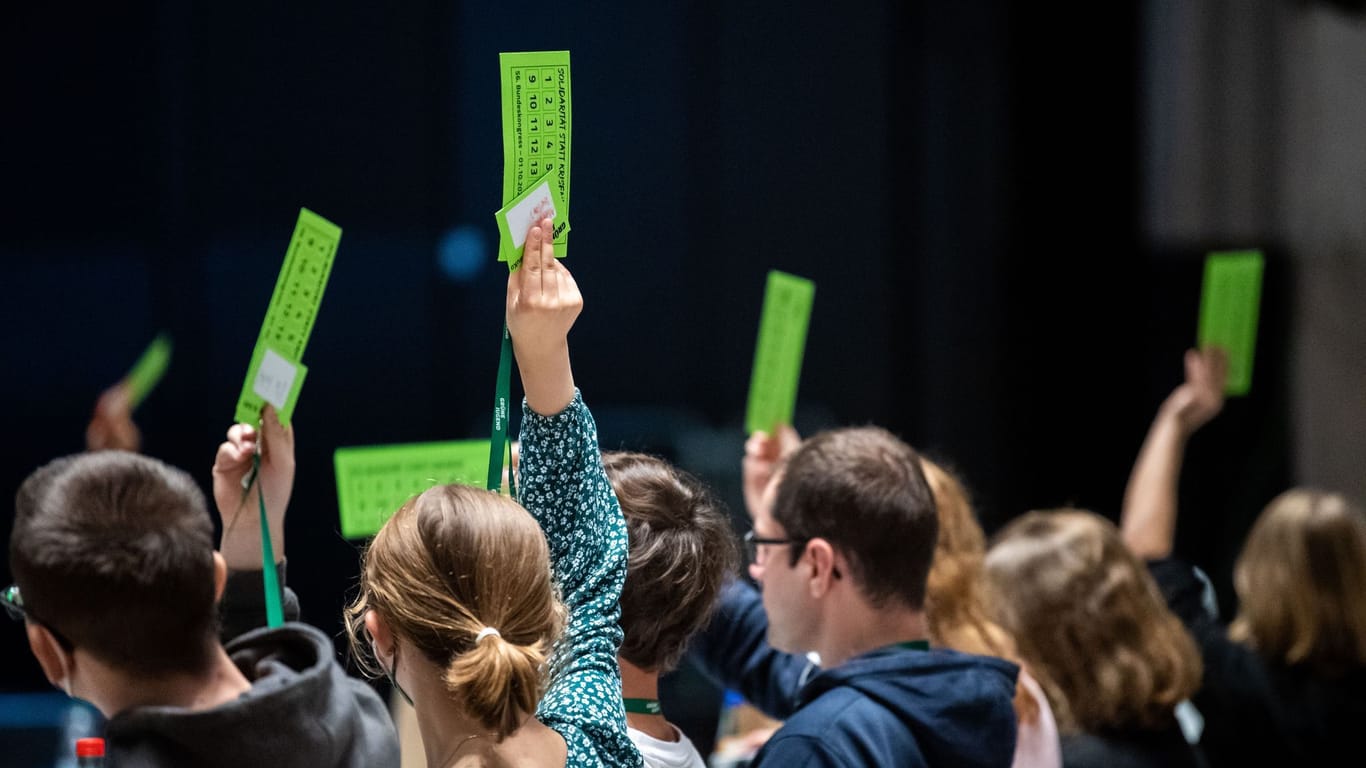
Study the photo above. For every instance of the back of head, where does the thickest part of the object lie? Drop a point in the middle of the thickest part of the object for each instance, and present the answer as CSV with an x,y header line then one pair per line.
x,y
1301,582
1090,622
955,596
114,553
682,548
450,563
955,602
863,490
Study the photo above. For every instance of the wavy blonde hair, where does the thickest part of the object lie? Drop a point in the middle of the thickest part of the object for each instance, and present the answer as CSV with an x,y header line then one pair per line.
x,y
955,595
1090,621
1301,583
449,563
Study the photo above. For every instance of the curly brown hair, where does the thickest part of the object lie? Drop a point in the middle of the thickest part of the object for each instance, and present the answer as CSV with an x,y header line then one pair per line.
x,y
1090,622
682,547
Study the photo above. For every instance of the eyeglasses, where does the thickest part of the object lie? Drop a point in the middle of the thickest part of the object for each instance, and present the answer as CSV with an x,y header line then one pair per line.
x,y
14,606
753,542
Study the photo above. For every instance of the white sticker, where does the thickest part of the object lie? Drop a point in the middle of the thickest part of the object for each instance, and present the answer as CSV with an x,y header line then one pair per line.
x,y
274,379
535,206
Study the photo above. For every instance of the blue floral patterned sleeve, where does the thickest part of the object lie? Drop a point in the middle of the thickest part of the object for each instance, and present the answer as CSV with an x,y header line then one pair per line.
x,y
566,489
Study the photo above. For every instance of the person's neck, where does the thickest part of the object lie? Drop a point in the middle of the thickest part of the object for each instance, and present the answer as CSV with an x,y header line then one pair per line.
x,y
220,682
451,738
855,627
637,683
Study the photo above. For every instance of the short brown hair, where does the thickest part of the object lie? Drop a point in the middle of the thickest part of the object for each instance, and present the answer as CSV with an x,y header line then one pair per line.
x,y
1089,621
1299,581
862,489
682,547
114,551
449,563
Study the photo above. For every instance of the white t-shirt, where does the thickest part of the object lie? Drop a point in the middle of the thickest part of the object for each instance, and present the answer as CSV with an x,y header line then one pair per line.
x,y
666,754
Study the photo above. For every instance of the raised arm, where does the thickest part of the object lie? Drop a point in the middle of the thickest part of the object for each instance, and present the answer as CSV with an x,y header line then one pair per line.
x,y
565,488
111,426
1148,520
243,606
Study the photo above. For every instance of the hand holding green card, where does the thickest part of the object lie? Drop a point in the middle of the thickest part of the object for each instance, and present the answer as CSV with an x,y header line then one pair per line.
x,y
778,353
1229,310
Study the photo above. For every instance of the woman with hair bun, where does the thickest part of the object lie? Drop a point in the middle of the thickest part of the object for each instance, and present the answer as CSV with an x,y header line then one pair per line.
x,y
461,590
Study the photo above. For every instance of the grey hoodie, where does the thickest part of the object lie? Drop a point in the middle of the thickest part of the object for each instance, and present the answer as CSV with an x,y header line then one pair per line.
x,y
302,710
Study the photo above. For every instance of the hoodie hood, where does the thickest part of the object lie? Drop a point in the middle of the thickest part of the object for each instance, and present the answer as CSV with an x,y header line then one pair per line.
x,y
302,710
957,707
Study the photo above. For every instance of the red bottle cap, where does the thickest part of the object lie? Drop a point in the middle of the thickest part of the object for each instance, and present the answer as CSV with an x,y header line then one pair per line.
x,y
93,747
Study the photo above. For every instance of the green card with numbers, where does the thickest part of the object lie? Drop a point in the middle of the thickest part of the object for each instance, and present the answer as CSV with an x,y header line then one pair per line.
x,y
538,117
293,308
374,481
1229,309
778,353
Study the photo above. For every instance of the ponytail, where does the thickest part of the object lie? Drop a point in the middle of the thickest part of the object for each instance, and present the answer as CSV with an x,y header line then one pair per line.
x,y
498,681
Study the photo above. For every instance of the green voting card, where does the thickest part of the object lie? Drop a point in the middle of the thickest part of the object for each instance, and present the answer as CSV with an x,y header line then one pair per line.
x,y
1229,308
148,370
516,218
537,130
290,316
374,481
778,353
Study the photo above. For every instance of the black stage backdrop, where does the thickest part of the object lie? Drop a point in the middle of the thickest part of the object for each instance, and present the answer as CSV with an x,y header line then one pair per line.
x,y
961,180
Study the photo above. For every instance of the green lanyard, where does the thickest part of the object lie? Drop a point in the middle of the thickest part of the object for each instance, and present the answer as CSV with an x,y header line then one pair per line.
x,y
275,614
498,440
914,645
642,706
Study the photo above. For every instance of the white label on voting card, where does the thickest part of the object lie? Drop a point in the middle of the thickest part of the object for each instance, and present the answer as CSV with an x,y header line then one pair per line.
x,y
274,379
533,208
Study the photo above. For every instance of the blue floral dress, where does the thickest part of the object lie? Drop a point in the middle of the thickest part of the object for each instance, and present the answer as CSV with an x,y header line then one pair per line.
x,y
566,489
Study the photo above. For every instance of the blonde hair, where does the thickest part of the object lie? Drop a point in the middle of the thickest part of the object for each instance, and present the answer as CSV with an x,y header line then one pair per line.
x,y
955,594
448,564
1301,583
1088,617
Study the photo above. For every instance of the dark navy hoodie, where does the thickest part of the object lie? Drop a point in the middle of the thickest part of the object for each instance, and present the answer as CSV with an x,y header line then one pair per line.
x,y
888,707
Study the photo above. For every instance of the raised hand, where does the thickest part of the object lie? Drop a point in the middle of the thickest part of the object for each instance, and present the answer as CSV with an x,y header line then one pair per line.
x,y
238,506
1200,398
543,301
111,426
763,454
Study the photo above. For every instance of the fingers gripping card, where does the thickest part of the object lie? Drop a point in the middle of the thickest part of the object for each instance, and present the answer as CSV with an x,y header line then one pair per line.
x,y
517,217
778,353
537,131
1229,307
291,314
374,481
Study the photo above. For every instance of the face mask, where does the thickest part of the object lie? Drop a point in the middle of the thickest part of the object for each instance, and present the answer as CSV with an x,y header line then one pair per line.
x,y
389,673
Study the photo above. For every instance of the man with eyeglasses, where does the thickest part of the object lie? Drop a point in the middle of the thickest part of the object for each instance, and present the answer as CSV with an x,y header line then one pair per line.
x,y
120,589
843,536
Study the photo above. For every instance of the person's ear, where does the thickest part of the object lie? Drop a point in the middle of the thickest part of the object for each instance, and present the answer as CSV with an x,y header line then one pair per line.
x,y
380,634
220,576
58,664
823,561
